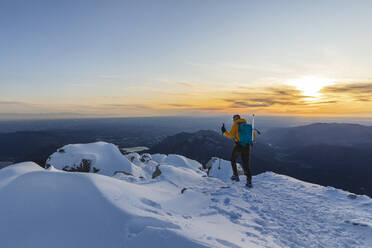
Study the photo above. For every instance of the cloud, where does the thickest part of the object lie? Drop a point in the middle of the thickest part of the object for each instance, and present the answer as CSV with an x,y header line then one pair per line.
x,y
179,105
7,103
7,106
361,91
187,84
240,104
326,102
25,116
265,97
127,106
201,109
284,99
351,88
207,109
269,98
189,107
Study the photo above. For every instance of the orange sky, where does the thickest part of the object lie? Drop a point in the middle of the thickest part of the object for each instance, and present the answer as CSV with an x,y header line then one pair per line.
x,y
122,58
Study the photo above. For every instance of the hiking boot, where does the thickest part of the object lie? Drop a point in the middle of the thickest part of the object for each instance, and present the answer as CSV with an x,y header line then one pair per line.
x,y
249,184
235,178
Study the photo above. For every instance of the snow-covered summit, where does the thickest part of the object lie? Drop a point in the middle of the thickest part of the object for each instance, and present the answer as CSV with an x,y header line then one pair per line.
x,y
179,207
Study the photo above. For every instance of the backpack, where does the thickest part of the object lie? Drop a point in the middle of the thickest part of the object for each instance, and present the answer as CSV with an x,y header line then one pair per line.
x,y
245,134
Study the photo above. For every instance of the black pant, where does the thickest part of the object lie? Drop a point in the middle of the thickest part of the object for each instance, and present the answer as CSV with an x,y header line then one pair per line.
x,y
245,152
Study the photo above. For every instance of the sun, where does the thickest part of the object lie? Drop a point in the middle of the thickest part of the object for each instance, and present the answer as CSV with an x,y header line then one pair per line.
x,y
310,86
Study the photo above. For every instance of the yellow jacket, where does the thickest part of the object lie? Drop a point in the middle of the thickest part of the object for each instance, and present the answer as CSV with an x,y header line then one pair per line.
x,y
234,132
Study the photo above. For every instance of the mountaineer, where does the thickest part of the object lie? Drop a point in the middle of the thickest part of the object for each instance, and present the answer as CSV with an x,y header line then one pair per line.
x,y
242,133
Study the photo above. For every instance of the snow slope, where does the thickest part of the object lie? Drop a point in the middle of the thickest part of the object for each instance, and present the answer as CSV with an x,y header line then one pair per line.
x,y
179,208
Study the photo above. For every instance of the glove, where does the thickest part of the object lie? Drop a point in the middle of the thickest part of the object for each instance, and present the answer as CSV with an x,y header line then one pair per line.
x,y
223,129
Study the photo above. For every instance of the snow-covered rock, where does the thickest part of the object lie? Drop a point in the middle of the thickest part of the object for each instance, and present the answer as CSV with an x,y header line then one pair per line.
x,y
181,161
134,157
179,208
100,157
158,157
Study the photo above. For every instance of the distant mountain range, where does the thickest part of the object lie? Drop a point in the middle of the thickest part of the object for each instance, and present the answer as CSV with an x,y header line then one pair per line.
x,y
38,145
201,145
319,133
328,154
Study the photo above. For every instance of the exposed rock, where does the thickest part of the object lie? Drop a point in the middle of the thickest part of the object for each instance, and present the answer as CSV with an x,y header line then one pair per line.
x,y
123,172
84,166
352,196
356,223
157,172
145,158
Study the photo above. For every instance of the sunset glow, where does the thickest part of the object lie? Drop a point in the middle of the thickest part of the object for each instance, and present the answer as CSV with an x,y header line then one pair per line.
x,y
310,86
166,58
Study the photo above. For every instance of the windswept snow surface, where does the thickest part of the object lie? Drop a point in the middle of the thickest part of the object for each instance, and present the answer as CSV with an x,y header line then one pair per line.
x,y
52,208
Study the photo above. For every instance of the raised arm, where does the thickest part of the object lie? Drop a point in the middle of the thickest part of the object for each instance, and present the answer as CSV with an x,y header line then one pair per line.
x,y
232,132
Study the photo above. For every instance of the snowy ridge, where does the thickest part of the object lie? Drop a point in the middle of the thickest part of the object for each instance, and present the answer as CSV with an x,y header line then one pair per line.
x,y
180,207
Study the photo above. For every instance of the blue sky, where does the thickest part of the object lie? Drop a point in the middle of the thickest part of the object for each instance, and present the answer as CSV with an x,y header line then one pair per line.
x,y
134,58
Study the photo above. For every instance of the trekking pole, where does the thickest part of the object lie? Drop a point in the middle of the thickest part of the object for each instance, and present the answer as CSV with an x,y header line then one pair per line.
x,y
252,128
219,160
251,148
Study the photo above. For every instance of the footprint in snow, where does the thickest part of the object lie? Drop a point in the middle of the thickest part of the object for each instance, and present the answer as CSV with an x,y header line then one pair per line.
x,y
233,216
260,222
252,235
150,203
227,243
254,208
